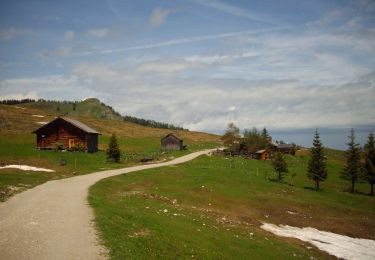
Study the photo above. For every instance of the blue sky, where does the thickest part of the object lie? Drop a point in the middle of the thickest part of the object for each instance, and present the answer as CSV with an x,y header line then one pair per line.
x,y
286,65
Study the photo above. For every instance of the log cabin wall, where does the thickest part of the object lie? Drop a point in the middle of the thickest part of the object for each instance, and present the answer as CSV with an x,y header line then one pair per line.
x,y
60,131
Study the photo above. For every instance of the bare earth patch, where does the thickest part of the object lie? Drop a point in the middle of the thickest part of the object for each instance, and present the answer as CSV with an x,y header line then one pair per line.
x,y
337,245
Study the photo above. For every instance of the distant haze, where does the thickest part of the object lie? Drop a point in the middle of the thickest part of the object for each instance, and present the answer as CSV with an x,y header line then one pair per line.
x,y
332,138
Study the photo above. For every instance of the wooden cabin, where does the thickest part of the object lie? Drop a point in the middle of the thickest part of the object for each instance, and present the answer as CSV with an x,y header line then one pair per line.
x,y
285,148
171,142
67,133
262,155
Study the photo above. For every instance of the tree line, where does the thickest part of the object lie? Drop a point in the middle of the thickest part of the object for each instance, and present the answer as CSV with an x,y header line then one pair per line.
x,y
252,141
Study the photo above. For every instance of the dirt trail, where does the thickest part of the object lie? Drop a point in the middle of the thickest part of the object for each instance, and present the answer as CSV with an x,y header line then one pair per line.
x,y
54,220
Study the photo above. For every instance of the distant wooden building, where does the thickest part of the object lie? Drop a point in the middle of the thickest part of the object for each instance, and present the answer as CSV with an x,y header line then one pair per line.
x,y
262,155
285,148
171,142
68,133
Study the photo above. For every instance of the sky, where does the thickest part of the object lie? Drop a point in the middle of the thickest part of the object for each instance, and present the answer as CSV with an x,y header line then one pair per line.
x,y
291,66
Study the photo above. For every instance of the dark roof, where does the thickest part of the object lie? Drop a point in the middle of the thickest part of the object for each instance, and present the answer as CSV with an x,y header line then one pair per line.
x,y
74,122
172,135
285,146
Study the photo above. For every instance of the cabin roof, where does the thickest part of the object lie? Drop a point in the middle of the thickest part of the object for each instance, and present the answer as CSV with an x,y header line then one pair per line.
x,y
74,122
261,151
285,146
171,135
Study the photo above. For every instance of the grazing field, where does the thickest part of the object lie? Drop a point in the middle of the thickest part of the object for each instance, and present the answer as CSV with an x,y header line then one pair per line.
x,y
16,148
213,207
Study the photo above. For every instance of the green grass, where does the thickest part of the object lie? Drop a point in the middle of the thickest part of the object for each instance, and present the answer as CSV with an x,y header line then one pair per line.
x,y
20,149
130,209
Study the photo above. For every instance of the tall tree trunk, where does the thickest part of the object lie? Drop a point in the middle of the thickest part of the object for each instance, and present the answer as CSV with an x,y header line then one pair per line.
x,y
352,190
317,185
372,189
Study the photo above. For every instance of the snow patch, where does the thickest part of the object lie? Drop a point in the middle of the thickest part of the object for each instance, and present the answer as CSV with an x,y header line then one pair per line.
x,y
337,245
41,123
37,115
26,168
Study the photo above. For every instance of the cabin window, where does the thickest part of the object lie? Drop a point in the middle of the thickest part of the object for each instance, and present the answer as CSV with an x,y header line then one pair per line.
x,y
71,143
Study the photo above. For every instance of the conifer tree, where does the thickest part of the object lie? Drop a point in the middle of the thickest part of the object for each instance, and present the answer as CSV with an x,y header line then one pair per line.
x,y
113,151
369,167
280,166
352,169
317,167
265,135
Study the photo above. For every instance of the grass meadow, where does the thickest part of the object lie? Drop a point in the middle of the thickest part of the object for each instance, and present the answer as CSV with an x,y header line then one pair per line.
x,y
212,207
19,148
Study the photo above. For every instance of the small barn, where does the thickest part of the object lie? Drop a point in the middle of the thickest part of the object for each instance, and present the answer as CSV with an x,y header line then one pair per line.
x,y
67,133
262,155
171,142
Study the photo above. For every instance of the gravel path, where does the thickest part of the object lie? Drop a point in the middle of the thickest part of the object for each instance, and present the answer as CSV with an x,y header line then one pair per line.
x,y
54,220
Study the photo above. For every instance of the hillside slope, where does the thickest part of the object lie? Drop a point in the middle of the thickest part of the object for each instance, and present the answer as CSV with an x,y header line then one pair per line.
x,y
25,118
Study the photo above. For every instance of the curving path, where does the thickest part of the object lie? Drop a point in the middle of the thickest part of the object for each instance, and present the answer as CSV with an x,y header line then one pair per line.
x,y
54,220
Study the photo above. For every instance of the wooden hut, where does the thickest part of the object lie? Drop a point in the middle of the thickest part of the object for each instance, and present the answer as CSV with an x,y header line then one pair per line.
x,y
171,142
67,133
262,155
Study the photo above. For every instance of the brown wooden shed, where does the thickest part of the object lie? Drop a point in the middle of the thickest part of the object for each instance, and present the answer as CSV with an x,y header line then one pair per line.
x,y
69,133
171,142
262,155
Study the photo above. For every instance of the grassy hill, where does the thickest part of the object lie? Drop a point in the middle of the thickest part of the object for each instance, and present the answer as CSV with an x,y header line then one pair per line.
x,y
17,143
90,107
212,208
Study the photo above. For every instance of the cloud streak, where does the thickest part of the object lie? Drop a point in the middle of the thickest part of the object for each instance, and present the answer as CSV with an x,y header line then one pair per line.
x,y
182,41
236,11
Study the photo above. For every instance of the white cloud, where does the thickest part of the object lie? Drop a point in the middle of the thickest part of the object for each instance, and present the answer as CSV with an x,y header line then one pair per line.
x,y
8,34
158,15
98,32
69,35
209,104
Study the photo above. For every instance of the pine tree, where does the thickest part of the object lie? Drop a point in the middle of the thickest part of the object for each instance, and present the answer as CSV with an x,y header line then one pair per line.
x,y
351,171
113,151
265,135
317,167
369,167
280,166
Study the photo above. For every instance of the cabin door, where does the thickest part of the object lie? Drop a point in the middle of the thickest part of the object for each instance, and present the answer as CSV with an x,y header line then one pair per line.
x,y
71,143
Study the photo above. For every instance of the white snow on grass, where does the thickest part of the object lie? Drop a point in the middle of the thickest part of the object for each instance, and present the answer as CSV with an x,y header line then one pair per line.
x,y
37,115
337,245
26,168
